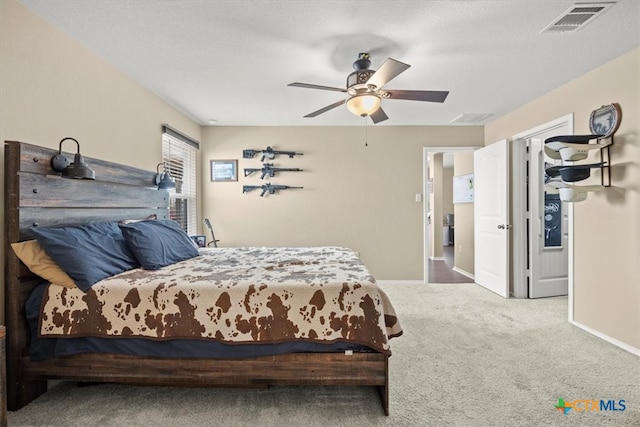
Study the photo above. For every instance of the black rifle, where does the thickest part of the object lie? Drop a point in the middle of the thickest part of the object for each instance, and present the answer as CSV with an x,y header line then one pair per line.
x,y
269,153
268,169
268,187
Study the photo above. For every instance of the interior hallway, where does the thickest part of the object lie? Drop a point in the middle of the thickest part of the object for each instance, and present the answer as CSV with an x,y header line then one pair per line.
x,y
441,271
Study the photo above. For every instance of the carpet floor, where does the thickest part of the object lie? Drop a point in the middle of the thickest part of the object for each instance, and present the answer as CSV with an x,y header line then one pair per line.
x,y
467,358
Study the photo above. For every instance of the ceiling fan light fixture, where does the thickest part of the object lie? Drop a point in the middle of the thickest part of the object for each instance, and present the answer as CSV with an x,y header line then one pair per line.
x,y
365,91
363,105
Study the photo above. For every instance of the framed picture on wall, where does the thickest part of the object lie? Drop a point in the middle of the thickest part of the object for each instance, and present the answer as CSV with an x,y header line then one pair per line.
x,y
463,188
224,170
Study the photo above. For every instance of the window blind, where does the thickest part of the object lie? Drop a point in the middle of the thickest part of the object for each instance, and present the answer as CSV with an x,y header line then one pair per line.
x,y
179,157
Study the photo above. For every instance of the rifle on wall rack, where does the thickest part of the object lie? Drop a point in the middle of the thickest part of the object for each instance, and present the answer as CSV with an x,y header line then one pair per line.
x,y
268,169
268,187
269,153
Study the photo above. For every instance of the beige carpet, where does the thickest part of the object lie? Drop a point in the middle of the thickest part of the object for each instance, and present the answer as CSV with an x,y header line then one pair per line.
x,y
467,357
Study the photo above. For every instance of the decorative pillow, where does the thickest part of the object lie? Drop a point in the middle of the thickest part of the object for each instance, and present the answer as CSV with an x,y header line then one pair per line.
x,y
36,259
87,253
157,244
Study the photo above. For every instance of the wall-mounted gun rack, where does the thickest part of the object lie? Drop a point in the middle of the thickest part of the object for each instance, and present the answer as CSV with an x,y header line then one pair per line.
x,y
268,169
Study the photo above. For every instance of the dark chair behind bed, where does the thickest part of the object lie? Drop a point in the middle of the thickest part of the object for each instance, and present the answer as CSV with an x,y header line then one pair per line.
x,y
213,241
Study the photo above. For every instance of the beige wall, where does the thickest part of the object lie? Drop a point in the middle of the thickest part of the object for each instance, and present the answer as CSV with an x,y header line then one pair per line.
x,y
51,87
607,231
436,173
464,220
447,191
358,196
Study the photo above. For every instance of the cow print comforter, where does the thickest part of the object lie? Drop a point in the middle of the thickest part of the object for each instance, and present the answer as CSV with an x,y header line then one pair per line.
x,y
233,295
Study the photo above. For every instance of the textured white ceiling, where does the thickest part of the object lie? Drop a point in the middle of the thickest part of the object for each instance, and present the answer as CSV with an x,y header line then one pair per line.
x,y
232,60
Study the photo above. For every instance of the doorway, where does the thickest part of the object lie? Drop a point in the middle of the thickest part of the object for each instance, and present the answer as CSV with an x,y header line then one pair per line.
x,y
441,247
444,270
541,267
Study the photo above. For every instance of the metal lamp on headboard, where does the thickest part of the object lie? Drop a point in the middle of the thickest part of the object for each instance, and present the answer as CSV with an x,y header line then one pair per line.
x,y
164,180
78,169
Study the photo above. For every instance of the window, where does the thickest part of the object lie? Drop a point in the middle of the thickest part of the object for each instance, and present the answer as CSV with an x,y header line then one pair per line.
x,y
179,156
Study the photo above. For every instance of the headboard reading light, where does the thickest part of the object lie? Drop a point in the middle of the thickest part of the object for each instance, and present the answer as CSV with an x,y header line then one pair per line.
x,y
78,169
164,180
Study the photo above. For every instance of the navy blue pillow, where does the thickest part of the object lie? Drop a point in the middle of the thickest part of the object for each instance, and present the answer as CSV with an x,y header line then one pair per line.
x,y
157,244
87,253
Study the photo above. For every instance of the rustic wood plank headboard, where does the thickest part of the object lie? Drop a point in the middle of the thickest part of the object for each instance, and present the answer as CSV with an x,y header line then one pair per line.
x,y
37,196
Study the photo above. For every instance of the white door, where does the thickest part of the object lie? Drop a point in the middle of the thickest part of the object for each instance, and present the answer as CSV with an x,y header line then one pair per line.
x,y
491,211
548,235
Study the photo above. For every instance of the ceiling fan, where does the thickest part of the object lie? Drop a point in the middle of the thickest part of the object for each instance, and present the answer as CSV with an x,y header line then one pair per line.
x,y
364,87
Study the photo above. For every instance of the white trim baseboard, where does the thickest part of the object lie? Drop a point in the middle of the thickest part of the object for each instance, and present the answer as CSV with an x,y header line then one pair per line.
x,y
401,282
464,273
607,338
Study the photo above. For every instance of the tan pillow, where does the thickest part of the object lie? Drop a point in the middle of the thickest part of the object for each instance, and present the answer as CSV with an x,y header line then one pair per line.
x,y
36,259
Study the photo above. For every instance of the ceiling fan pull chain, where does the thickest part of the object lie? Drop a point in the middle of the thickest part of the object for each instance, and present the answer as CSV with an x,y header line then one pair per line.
x,y
366,133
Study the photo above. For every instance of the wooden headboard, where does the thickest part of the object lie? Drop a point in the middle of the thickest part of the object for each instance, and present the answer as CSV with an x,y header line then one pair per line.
x,y
37,196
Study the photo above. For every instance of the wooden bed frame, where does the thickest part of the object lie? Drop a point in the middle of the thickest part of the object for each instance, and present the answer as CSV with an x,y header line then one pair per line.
x,y
35,195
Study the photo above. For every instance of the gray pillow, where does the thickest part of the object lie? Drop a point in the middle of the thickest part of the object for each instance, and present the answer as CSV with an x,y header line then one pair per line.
x,y
87,253
157,244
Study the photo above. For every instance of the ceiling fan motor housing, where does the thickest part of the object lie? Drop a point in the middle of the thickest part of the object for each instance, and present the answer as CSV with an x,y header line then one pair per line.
x,y
362,72
364,100
359,77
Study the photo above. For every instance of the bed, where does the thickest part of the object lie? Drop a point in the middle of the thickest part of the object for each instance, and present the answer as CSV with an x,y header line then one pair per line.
x,y
273,316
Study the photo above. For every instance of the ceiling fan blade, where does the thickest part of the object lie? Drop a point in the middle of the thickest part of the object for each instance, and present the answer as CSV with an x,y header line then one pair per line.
x,y
378,116
419,95
325,109
309,86
387,71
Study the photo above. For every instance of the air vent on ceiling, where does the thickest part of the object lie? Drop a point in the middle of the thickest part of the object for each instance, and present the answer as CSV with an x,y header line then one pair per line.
x,y
576,17
471,118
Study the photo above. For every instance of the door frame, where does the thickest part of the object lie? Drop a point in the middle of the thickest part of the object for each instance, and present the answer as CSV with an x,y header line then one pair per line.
x,y
427,237
519,200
